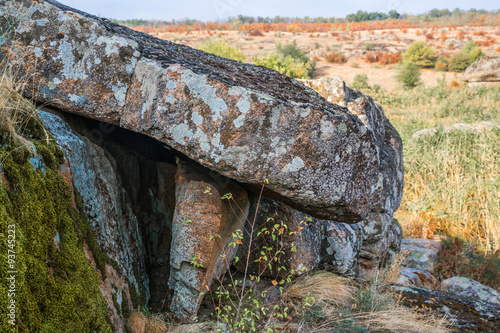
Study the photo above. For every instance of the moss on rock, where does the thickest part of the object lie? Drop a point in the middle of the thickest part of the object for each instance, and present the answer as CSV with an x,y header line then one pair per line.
x,y
57,290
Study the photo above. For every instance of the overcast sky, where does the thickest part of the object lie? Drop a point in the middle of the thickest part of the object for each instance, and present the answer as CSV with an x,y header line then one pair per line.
x,y
210,10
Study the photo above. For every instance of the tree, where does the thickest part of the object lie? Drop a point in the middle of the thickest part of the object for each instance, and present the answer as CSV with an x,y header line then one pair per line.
x,y
408,75
420,54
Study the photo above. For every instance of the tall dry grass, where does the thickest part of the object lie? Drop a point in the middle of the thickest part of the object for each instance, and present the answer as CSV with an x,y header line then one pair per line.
x,y
452,179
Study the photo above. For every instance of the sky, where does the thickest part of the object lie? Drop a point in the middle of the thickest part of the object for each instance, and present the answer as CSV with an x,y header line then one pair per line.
x,y
212,10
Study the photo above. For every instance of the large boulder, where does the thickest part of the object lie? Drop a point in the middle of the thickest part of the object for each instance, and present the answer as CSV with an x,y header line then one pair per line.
x,y
246,122
467,287
485,69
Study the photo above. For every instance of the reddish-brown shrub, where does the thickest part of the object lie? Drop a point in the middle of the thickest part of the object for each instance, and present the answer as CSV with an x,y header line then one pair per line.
x,y
389,58
443,37
497,49
334,34
371,57
479,33
429,36
418,33
336,58
255,33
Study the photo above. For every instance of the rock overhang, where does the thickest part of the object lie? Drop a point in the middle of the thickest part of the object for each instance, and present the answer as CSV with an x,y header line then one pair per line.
x,y
246,122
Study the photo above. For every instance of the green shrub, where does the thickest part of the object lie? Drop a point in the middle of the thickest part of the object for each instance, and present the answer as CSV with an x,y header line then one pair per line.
x,y
292,50
222,48
360,82
475,54
459,61
442,64
408,75
472,50
285,66
420,54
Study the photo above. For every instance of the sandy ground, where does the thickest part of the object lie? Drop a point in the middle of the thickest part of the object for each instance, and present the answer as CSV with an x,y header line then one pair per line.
x,y
354,46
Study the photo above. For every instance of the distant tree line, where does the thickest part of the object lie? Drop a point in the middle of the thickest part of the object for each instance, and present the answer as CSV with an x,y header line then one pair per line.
x,y
359,16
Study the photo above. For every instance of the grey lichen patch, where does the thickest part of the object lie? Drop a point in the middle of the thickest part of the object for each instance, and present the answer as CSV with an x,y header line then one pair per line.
x,y
71,69
113,43
78,100
326,129
196,118
295,165
238,122
200,88
120,91
181,131
342,128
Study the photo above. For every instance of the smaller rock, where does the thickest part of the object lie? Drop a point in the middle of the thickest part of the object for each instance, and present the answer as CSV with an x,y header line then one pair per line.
x,y
468,287
475,128
422,253
485,69
417,278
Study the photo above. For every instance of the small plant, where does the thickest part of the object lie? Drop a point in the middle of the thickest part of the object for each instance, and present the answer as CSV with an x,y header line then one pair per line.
x,y
285,66
459,61
222,48
360,82
255,33
368,46
336,58
408,75
420,54
292,50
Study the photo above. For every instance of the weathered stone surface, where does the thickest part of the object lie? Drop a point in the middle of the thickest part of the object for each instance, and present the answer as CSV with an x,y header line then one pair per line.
x,y
422,253
468,287
416,278
390,183
381,235
245,122
485,69
340,247
109,214
197,259
467,313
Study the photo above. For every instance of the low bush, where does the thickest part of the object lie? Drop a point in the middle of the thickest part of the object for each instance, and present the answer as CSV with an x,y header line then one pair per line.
x,y
285,66
255,33
420,54
222,48
336,58
459,61
408,75
360,82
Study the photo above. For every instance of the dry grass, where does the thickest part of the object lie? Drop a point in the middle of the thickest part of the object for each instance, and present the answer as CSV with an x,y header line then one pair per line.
x,y
140,323
343,306
15,110
451,179
325,287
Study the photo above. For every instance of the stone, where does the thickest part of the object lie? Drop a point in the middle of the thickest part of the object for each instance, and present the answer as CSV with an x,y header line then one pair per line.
x,y
422,254
109,213
468,287
245,122
416,278
485,69
198,256
340,247
381,235
91,171
468,314
282,228
477,128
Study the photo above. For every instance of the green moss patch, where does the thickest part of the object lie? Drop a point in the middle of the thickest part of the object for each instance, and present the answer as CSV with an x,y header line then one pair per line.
x,y
57,290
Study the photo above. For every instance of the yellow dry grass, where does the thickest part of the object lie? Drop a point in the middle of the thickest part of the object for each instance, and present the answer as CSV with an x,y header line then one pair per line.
x,y
140,323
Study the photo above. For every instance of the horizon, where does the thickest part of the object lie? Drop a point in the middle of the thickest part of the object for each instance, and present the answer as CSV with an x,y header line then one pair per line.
x,y
217,10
